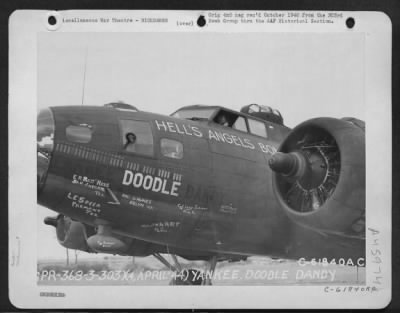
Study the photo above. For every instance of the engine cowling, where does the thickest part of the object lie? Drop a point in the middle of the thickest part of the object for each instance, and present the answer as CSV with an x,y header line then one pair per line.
x,y
70,234
319,175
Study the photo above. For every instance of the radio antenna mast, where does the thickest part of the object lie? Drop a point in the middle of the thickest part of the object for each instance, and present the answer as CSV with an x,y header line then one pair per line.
x,y
84,76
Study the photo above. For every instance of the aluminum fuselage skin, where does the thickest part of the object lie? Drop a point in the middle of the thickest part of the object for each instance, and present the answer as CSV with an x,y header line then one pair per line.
x,y
217,199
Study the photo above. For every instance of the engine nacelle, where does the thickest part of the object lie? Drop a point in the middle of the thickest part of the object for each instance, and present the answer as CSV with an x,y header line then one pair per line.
x,y
319,175
70,234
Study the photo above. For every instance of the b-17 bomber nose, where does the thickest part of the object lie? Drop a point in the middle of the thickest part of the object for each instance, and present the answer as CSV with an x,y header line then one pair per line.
x,y
44,145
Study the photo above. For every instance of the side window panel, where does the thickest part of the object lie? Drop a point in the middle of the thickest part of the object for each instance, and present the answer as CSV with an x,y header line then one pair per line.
x,y
137,137
240,124
77,133
257,128
171,148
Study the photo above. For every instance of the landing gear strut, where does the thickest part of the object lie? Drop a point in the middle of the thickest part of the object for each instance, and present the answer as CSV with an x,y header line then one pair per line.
x,y
191,277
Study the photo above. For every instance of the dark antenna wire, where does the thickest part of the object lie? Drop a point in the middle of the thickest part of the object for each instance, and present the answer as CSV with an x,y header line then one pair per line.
x,y
84,76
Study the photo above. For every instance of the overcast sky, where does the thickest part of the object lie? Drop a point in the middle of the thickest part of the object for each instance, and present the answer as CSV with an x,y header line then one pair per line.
x,y
302,75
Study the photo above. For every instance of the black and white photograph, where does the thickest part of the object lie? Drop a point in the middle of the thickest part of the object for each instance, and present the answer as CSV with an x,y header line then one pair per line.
x,y
204,154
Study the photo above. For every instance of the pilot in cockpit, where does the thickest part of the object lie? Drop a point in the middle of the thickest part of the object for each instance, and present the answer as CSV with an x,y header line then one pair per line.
x,y
130,142
222,120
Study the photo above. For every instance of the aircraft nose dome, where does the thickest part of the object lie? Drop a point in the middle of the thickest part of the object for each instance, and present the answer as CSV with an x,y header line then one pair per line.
x,y
44,145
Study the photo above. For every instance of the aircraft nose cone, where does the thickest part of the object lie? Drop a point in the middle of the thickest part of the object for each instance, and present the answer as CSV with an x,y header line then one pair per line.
x,y
42,166
44,145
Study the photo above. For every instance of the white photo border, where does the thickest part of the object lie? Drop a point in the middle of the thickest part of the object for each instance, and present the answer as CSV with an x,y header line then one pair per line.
x,y
24,292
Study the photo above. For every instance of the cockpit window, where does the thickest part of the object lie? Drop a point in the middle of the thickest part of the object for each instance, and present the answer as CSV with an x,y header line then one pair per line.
x,y
240,124
253,108
78,133
276,112
194,113
256,108
171,148
137,137
263,112
257,128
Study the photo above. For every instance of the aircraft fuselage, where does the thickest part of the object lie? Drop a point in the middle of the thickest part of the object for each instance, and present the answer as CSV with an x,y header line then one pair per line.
x,y
213,193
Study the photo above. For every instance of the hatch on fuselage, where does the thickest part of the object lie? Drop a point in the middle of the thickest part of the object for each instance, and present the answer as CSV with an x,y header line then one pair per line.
x,y
121,106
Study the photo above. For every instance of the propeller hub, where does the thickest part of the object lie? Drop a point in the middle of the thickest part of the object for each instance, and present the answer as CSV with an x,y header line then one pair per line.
x,y
309,170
